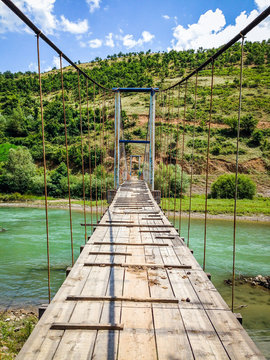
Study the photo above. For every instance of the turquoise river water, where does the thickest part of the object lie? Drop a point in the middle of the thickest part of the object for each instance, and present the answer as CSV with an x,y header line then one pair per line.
x,y
23,269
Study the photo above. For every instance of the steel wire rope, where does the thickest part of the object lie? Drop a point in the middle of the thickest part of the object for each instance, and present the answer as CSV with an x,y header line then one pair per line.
x,y
45,172
107,142
82,157
166,152
192,156
145,148
39,33
207,164
170,129
101,151
264,14
236,169
95,134
161,150
67,160
182,159
176,153
89,156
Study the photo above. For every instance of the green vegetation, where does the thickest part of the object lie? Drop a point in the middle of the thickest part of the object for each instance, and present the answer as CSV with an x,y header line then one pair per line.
x,y
21,176
168,180
14,331
224,187
258,205
20,122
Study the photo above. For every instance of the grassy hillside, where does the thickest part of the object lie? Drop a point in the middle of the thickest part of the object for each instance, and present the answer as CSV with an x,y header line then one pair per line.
x,y
20,112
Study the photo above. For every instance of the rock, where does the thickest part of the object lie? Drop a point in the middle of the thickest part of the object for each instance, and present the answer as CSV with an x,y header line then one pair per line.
x,y
7,319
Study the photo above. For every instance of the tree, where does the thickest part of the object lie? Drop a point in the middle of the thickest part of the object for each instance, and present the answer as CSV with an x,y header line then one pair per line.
x,y
18,172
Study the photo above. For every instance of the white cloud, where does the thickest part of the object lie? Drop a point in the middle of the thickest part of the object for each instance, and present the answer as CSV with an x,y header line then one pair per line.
x,y
211,30
42,14
166,17
262,4
147,37
130,42
8,20
79,27
95,43
109,40
93,5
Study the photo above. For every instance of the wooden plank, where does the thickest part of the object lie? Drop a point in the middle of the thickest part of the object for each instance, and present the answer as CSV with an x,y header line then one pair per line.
x,y
121,298
137,340
106,344
167,312
82,326
171,338
233,336
155,231
130,225
109,253
202,336
206,291
153,266
127,243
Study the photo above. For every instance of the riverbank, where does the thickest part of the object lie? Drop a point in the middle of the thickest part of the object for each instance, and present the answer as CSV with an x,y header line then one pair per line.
x,y
197,213
15,327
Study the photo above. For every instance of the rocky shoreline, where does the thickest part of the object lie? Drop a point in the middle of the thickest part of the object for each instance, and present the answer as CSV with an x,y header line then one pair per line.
x,y
15,327
258,280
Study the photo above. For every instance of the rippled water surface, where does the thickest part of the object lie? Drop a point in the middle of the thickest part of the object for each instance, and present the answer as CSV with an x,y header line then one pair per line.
x,y
23,261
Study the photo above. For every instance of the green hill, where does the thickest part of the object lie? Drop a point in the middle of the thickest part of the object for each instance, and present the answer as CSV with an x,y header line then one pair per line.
x,y
20,123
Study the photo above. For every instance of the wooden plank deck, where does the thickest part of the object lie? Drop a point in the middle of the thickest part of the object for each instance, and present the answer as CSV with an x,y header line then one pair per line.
x,y
154,302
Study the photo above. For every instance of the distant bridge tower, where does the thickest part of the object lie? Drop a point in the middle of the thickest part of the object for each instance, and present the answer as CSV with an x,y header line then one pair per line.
x,y
150,173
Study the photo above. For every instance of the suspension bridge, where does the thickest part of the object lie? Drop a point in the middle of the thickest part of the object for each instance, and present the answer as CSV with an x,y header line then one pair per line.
x,y
136,291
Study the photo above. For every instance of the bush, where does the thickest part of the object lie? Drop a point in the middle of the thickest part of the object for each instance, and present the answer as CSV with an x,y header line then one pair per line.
x,y
224,187
247,124
166,181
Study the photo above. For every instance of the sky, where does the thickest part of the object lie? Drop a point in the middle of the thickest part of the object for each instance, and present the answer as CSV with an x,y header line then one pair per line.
x,y
86,29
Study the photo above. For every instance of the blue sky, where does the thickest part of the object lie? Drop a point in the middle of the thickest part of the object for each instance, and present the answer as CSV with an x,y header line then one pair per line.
x,y
86,29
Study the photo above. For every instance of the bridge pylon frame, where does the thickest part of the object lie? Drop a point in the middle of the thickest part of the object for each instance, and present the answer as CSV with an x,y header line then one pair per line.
x,y
117,129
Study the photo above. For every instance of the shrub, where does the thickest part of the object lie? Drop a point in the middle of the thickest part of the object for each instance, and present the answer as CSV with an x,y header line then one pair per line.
x,y
247,124
166,181
224,187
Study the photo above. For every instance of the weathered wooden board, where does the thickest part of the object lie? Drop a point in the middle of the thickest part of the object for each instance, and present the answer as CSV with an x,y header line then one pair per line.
x,y
130,296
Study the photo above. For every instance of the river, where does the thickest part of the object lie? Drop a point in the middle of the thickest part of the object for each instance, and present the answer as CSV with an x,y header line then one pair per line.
x,y
23,261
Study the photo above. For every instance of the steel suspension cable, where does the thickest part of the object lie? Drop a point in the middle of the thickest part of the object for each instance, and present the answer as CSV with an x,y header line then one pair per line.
x,y
104,147
82,155
166,151
89,156
236,170
101,150
67,161
169,148
45,172
95,132
176,153
207,165
192,156
182,160
107,141
162,148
